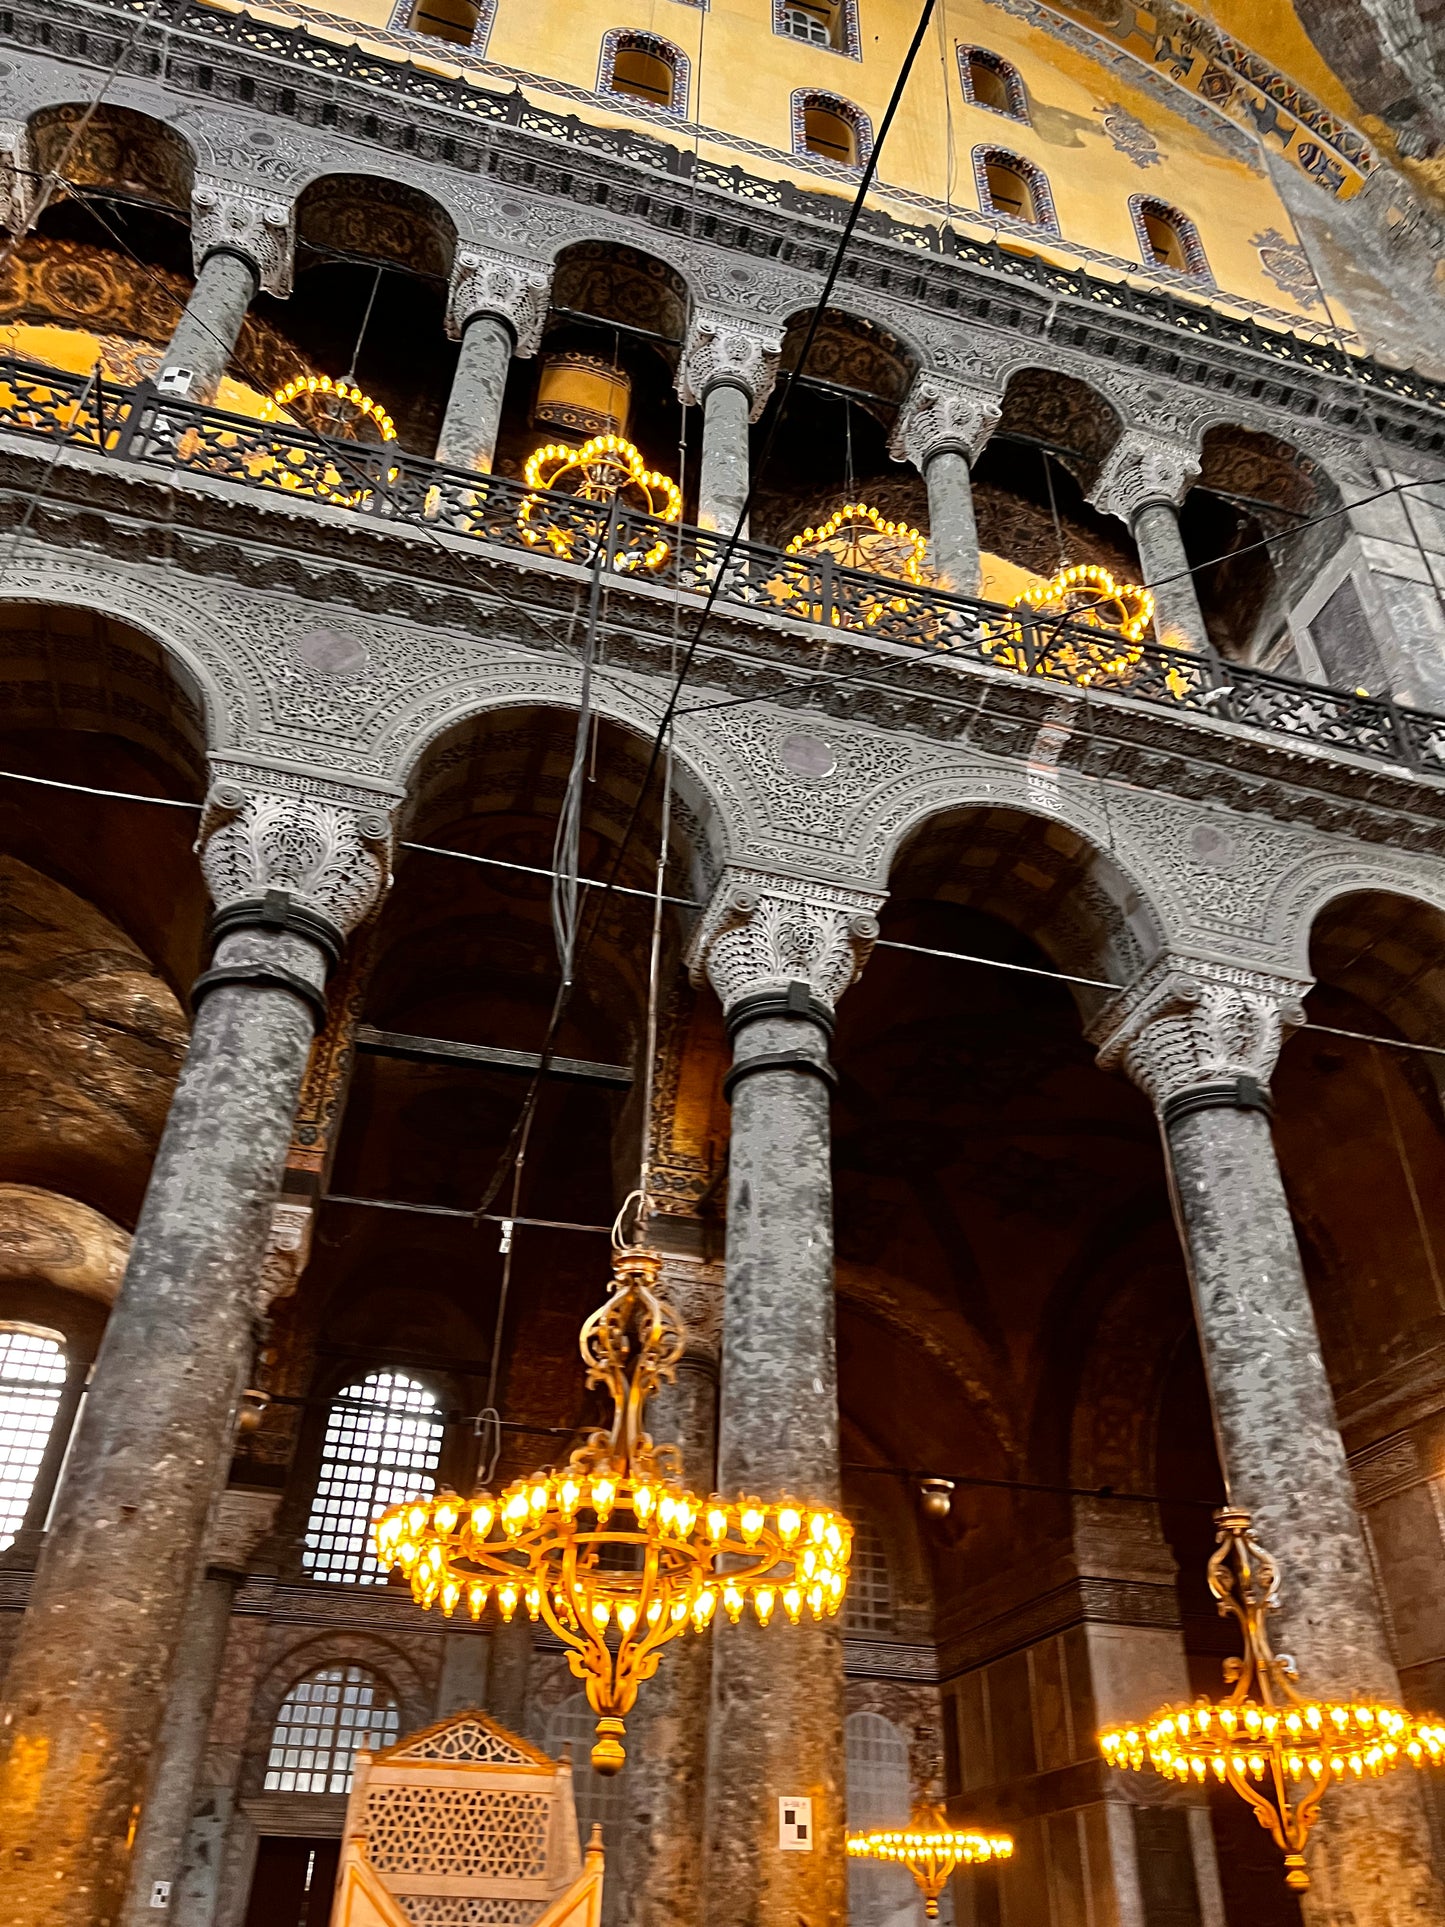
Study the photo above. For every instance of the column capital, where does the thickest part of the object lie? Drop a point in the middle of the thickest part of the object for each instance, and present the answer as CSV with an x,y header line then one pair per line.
x,y
942,415
761,934
1142,468
326,857
1191,1027
694,1289
723,349
19,179
288,1247
237,217
510,286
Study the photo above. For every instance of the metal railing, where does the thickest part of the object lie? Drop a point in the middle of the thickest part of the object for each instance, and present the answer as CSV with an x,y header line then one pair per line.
x,y
164,432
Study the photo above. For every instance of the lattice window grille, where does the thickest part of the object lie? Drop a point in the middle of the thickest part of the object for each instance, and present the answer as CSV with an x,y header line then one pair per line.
x,y
324,1722
32,1381
469,1910
383,1443
868,1602
476,1833
468,1742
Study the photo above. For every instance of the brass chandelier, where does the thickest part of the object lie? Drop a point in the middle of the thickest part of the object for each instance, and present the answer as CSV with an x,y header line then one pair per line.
x,y
605,470
1278,1749
931,1850
612,1552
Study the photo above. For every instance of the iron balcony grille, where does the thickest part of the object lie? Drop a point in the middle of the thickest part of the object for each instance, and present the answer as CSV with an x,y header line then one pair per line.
x,y
140,426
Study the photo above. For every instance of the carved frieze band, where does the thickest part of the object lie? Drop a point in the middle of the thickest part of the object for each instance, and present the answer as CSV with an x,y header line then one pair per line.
x,y
241,218
516,290
1189,1022
1141,468
942,415
723,349
762,933
332,859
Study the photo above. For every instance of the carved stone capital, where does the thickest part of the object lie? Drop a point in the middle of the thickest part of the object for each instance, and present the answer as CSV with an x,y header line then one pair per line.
x,y
19,181
238,217
943,415
239,1525
1189,1022
694,1289
288,1246
1141,468
723,349
516,290
330,858
762,933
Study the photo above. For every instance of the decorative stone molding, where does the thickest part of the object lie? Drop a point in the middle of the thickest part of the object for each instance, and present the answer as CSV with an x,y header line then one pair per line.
x,y
240,218
944,416
516,290
1188,1022
723,349
329,858
762,933
288,1246
1141,468
694,1288
19,182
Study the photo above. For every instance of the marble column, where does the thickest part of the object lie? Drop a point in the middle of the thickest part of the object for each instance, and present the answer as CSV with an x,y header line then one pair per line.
x,y
727,369
942,431
1201,1040
241,241
779,954
667,1761
290,876
1143,481
496,308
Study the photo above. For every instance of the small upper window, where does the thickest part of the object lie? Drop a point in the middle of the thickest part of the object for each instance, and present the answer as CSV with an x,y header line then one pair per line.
x,y
1167,238
32,1381
990,81
383,1442
453,20
832,129
1013,188
822,23
868,1602
324,1722
644,67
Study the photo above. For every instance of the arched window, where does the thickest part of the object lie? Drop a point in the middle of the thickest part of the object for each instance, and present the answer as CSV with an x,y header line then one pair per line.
x,y
993,82
383,1442
822,23
599,1799
1013,188
324,1722
831,129
1167,238
32,1383
645,67
463,22
868,1602
879,1795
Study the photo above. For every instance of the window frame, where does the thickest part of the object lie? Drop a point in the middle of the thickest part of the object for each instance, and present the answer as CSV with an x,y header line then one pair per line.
x,y
385,1732
314,1562
1046,219
1013,82
1191,246
852,37
819,97
403,14
637,40
50,1461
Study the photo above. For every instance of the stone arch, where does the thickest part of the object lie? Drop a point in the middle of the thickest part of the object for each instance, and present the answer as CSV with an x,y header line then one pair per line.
x,y
1310,887
122,672
707,804
127,153
387,1659
1118,915
1264,471
617,282
379,218
57,1243
856,349
1075,419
